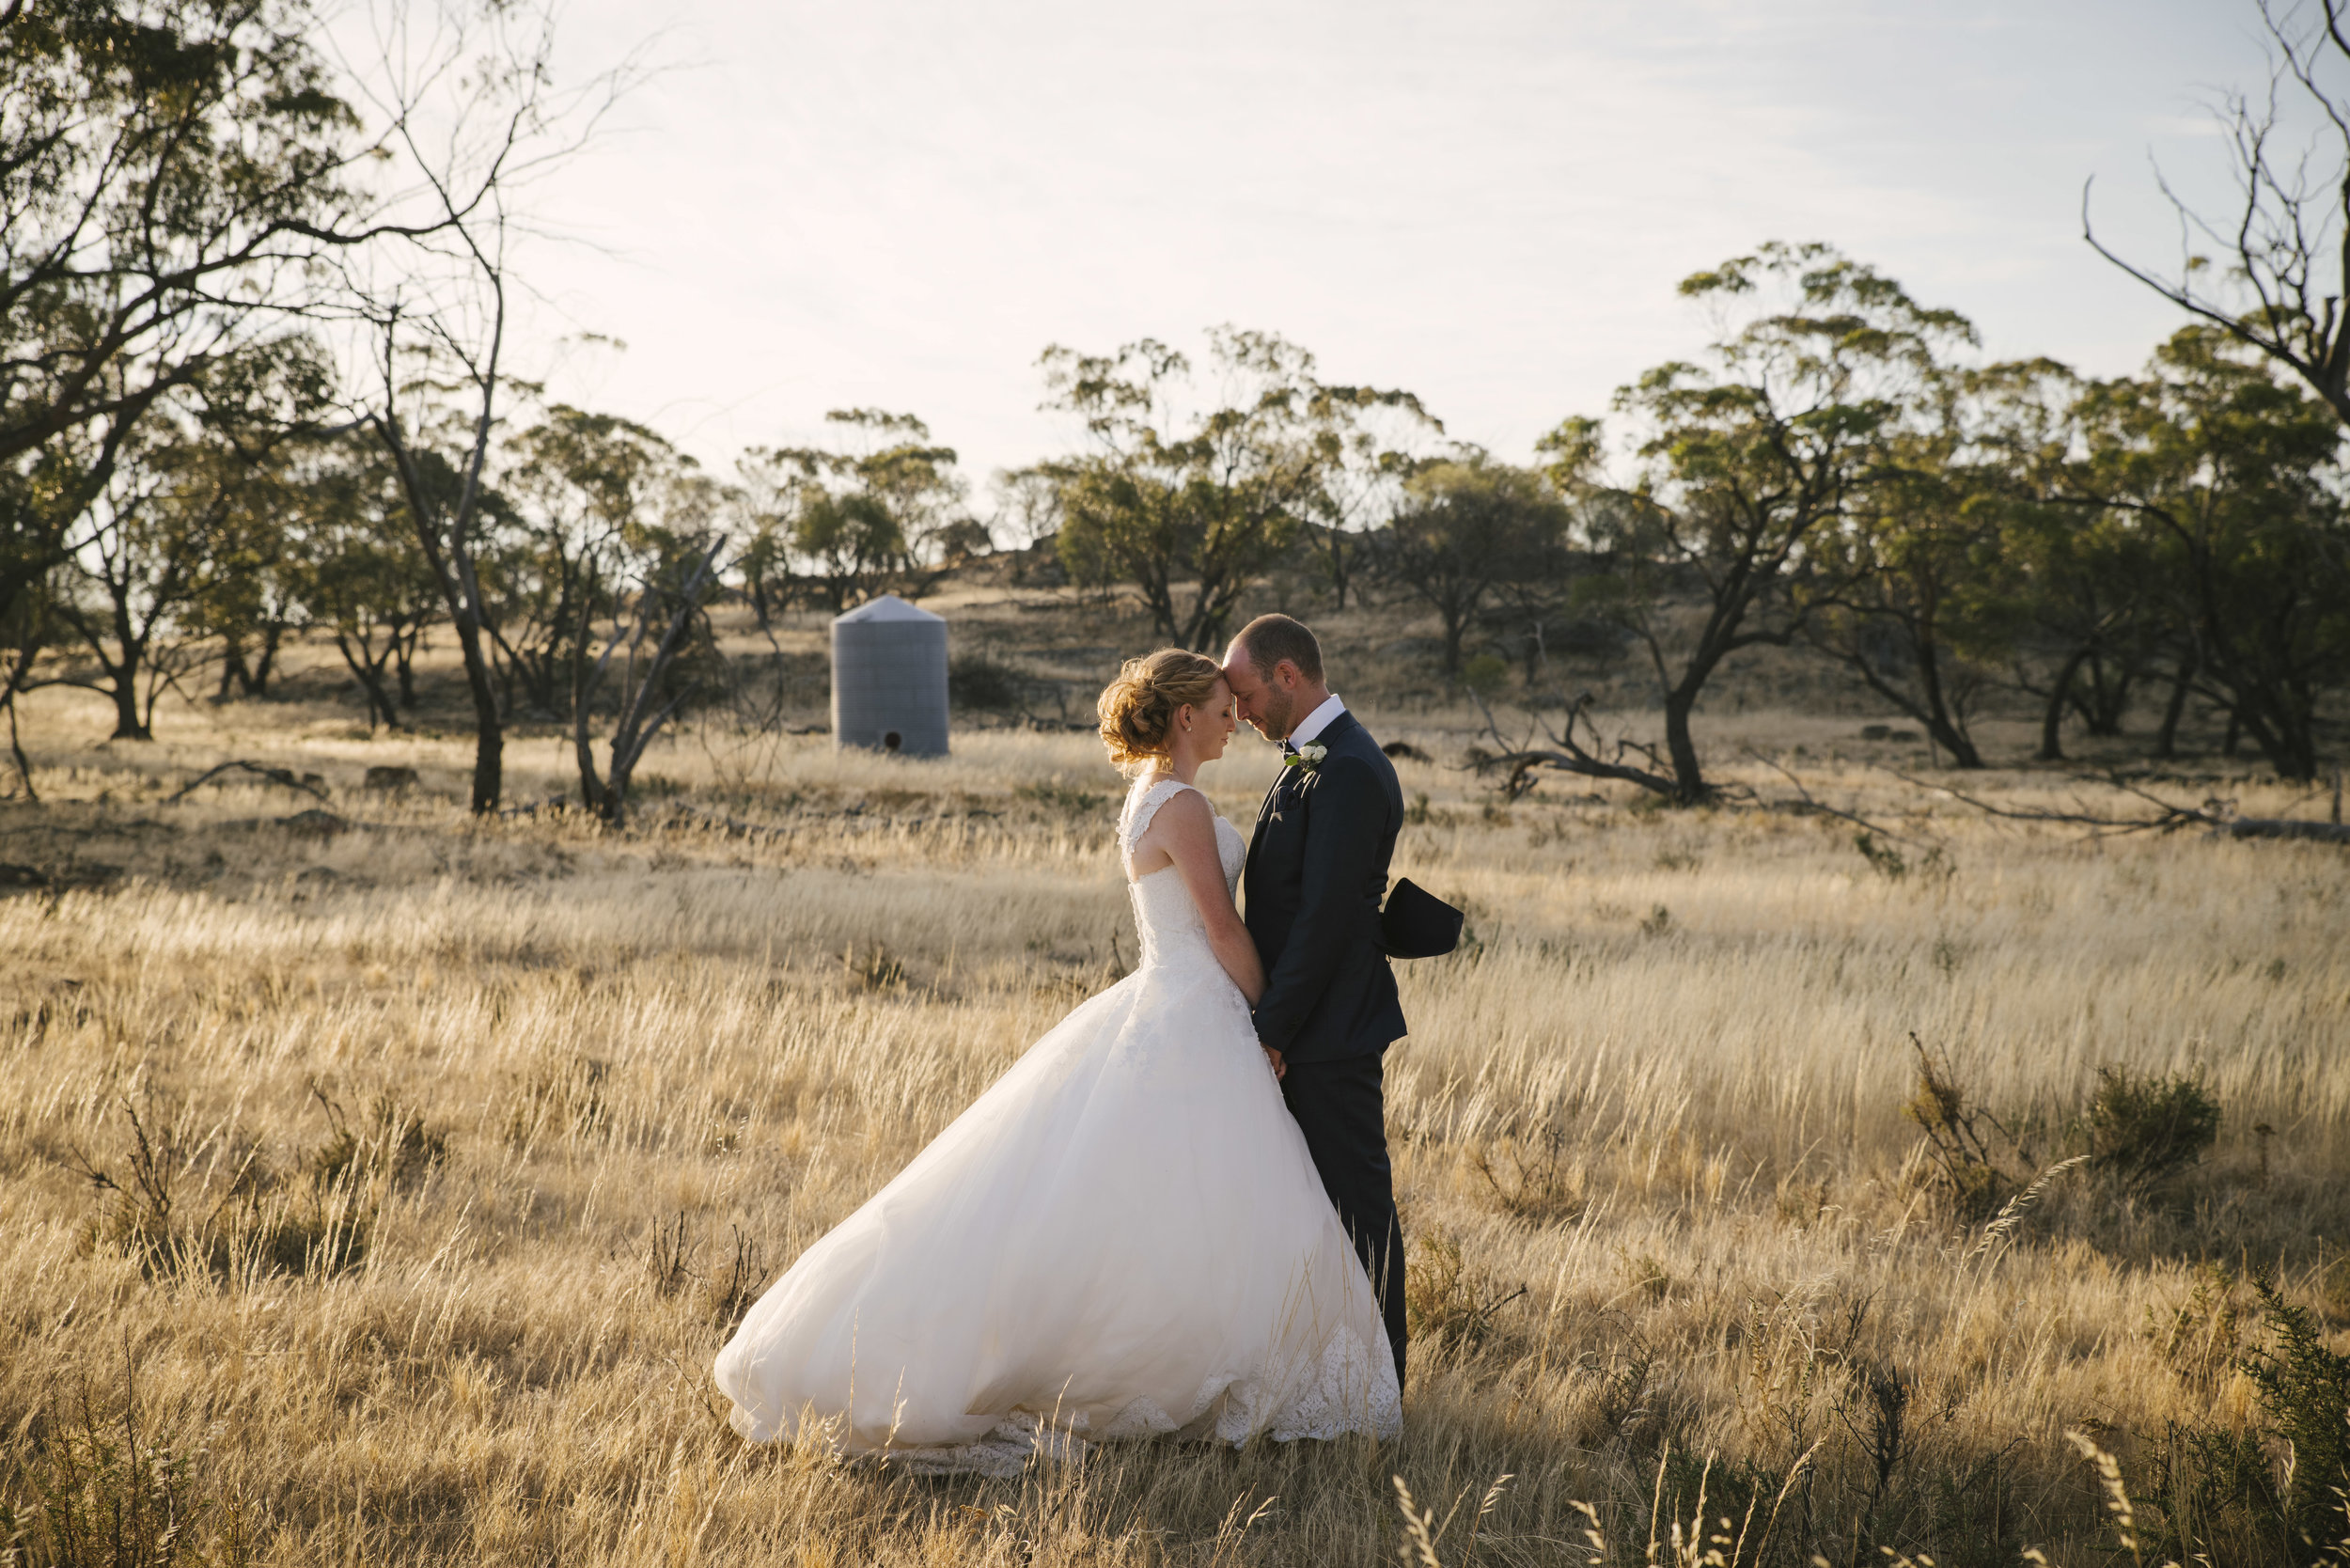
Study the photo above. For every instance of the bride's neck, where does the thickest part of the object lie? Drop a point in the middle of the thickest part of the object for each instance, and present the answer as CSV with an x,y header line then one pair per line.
x,y
1183,770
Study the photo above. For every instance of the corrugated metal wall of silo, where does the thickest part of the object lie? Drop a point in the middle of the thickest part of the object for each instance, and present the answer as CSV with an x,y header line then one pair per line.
x,y
889,679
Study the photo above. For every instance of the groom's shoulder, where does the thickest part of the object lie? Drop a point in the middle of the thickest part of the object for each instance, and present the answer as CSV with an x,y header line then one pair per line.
x,y
1351,735
1355,742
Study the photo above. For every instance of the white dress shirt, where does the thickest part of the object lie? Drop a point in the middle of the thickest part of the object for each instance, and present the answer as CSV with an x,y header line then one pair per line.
x,y
1316,722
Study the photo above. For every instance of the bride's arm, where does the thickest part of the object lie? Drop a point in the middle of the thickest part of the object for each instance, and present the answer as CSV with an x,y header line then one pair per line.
x,y
1184,829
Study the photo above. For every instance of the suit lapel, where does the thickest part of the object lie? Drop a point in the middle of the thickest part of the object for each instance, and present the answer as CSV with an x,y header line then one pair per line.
x,y
1343,725
1265,814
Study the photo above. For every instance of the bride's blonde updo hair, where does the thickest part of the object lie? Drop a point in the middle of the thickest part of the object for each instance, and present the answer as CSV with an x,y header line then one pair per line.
x,y
1138,708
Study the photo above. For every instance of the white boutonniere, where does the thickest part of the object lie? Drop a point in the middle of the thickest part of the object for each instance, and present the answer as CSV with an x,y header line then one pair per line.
x,y
1307,757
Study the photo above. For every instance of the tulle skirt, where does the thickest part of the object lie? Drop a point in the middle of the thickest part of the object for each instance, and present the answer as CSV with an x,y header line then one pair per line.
x,y
1124,1236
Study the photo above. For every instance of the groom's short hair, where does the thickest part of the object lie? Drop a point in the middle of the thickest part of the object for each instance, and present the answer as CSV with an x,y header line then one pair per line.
x,y
1271,638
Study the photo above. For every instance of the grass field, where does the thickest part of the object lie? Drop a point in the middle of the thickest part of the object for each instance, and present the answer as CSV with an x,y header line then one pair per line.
x,y
380,1193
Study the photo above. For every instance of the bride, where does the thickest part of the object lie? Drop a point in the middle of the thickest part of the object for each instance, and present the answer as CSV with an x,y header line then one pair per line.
x,y
1125,1235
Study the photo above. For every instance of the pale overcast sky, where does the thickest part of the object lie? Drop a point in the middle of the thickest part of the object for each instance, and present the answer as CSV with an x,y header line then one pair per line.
x,y
899,204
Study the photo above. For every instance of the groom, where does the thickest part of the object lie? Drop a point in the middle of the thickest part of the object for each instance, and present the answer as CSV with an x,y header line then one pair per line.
x,y
1317,869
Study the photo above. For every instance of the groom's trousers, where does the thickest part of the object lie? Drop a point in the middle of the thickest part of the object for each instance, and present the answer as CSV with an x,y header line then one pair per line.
x,y
1342,1107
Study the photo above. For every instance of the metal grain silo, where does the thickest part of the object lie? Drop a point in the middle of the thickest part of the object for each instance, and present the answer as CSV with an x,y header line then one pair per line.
x,y
889,679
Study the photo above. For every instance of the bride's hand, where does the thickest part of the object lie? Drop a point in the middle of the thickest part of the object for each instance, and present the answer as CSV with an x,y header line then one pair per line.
x,y
1280,1068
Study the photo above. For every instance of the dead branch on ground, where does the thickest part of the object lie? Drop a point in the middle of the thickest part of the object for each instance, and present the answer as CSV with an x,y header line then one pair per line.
x,y
2216,814
269,775
1565,754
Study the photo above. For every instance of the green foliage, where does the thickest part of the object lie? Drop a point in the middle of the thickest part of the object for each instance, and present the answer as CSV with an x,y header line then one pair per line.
x,y
1883,859
1466,527
2144,1128
392,1144
171,165
2232,481
1752,461
975,680
1485,674
865,514
590,506
2212,1494
1449,1307
1192,505
102,1491
2305,1387
1971,1152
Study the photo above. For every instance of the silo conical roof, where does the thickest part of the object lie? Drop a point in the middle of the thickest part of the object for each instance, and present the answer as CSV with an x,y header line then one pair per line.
x,y
887,607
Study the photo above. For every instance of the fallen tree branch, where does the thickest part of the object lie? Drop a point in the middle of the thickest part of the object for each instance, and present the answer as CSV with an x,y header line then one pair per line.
x,y
1566,754
269,776
2214,814
1810,807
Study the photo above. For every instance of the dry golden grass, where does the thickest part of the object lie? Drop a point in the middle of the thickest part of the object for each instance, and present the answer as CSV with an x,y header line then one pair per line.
x,y
1665,1209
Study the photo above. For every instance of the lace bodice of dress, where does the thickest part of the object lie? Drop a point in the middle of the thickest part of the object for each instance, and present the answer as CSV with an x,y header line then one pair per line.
x,y
1167,918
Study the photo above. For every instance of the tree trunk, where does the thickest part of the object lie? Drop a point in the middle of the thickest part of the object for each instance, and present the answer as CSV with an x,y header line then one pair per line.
x,y
582,704
129,725
256,678
2167,738
1689,783
17,670
1939,722
2235,733
2052,716
369,674
1957,742
1456,619
405,663
488,752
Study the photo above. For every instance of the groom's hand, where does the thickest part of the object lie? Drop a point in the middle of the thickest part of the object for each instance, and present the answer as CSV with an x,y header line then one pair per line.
x,y
1280,1068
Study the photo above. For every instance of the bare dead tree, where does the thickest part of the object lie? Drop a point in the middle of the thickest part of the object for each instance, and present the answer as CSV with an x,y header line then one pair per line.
x,y
475,118
2285,291
653,635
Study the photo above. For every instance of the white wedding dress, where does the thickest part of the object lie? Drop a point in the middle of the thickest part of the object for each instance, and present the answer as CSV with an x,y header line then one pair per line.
x,y
1123,1237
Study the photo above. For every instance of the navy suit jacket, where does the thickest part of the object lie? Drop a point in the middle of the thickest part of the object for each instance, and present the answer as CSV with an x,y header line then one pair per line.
x,y
1317,870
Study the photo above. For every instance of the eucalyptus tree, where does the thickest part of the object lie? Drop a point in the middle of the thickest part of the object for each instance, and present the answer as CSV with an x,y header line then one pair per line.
x,y
1748,458
875,508
1916,591
659,652
1465,527
1190,500
582,488
1371,441
361,575
2236,478
177,180
2078,581
171,172
165,534
472,115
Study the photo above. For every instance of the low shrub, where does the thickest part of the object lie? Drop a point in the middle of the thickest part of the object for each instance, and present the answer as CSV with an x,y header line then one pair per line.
x,y
2142,1129
1970,1153
97,1490
1449,1306
2305,1389
975,680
